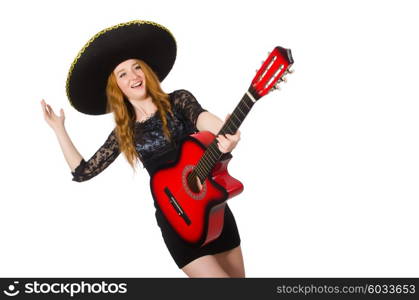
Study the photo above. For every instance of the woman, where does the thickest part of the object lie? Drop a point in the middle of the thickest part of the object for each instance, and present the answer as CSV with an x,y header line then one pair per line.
x,y
149,124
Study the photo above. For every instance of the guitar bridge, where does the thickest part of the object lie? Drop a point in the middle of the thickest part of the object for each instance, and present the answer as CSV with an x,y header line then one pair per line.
x,y
177,206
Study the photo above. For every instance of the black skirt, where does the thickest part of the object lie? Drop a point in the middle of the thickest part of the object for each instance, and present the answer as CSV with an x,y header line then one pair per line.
x,y
183,253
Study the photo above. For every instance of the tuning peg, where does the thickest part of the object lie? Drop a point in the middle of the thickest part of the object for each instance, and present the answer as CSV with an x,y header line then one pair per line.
x,y
275,87
290,71
284,79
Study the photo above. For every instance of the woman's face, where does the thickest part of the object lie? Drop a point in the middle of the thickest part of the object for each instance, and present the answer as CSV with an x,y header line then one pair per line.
x,y
130,79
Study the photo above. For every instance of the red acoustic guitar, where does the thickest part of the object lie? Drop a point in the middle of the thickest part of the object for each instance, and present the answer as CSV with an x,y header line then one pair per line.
x,y
197,215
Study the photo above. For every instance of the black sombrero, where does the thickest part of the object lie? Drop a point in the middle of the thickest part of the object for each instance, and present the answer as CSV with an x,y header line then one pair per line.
x,y
87,77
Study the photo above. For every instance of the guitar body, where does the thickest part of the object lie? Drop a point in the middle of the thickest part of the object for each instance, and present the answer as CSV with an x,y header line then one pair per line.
x,y
197,213
197,217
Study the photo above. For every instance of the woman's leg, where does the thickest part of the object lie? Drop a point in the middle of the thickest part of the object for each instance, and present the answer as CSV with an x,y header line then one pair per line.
x,y
205,266
225,264
232,262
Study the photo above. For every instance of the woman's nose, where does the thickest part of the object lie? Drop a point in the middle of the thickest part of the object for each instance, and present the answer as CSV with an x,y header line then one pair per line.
x,y
134,76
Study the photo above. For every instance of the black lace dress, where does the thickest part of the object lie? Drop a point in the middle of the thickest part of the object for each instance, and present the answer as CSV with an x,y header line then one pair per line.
x,y
154,149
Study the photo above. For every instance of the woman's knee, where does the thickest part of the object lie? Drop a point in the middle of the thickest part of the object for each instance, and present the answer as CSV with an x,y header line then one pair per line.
x,y
205,266
232,262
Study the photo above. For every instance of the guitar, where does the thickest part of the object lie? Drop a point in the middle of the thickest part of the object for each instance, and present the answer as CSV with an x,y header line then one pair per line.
x,y
197,213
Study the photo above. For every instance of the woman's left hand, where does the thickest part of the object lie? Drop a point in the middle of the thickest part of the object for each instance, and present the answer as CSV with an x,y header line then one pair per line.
x,y
227,142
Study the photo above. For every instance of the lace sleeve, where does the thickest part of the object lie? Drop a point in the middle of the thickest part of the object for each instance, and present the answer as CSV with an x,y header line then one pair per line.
x,y
103,157
186,103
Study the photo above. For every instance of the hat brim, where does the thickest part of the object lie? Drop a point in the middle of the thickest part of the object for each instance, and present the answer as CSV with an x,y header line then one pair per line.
x,y
88,74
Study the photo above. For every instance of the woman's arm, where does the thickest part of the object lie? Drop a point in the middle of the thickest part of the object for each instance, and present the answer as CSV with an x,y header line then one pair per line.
x,y
71,154
204,120
209,122
80,169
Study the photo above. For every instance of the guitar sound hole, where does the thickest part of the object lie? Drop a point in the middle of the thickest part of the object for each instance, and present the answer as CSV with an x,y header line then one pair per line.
x,y
193,183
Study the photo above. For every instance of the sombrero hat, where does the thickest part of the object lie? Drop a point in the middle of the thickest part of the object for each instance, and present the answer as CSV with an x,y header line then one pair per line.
x,y
87,77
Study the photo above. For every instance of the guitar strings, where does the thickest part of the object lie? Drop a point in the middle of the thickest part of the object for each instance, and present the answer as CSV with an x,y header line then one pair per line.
x,y
213,154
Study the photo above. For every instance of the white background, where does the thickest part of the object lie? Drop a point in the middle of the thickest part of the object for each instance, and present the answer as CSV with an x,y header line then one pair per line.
x,y
330,163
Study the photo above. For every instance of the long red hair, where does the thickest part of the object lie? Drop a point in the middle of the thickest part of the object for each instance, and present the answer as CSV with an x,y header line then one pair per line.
x,y
124,112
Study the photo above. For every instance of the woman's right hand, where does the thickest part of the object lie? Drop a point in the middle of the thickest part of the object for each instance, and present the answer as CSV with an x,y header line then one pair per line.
x,y
54,121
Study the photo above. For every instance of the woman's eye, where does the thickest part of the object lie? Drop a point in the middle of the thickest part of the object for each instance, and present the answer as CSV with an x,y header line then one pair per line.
x,y
138,67
122,74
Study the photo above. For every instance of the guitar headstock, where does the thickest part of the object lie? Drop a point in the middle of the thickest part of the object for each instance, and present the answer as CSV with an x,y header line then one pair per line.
x,y
272,72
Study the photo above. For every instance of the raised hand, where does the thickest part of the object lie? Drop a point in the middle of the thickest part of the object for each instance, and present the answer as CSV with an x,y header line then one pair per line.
x,y
53,120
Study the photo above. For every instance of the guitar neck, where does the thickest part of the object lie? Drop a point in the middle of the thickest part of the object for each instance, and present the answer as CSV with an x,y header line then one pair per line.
x,y
239,113
212,155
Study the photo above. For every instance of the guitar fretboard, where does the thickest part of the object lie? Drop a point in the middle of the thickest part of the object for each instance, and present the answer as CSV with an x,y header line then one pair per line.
x,y
212,155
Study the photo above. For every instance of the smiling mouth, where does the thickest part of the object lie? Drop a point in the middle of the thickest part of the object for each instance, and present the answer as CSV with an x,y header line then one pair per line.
x,y
138,84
